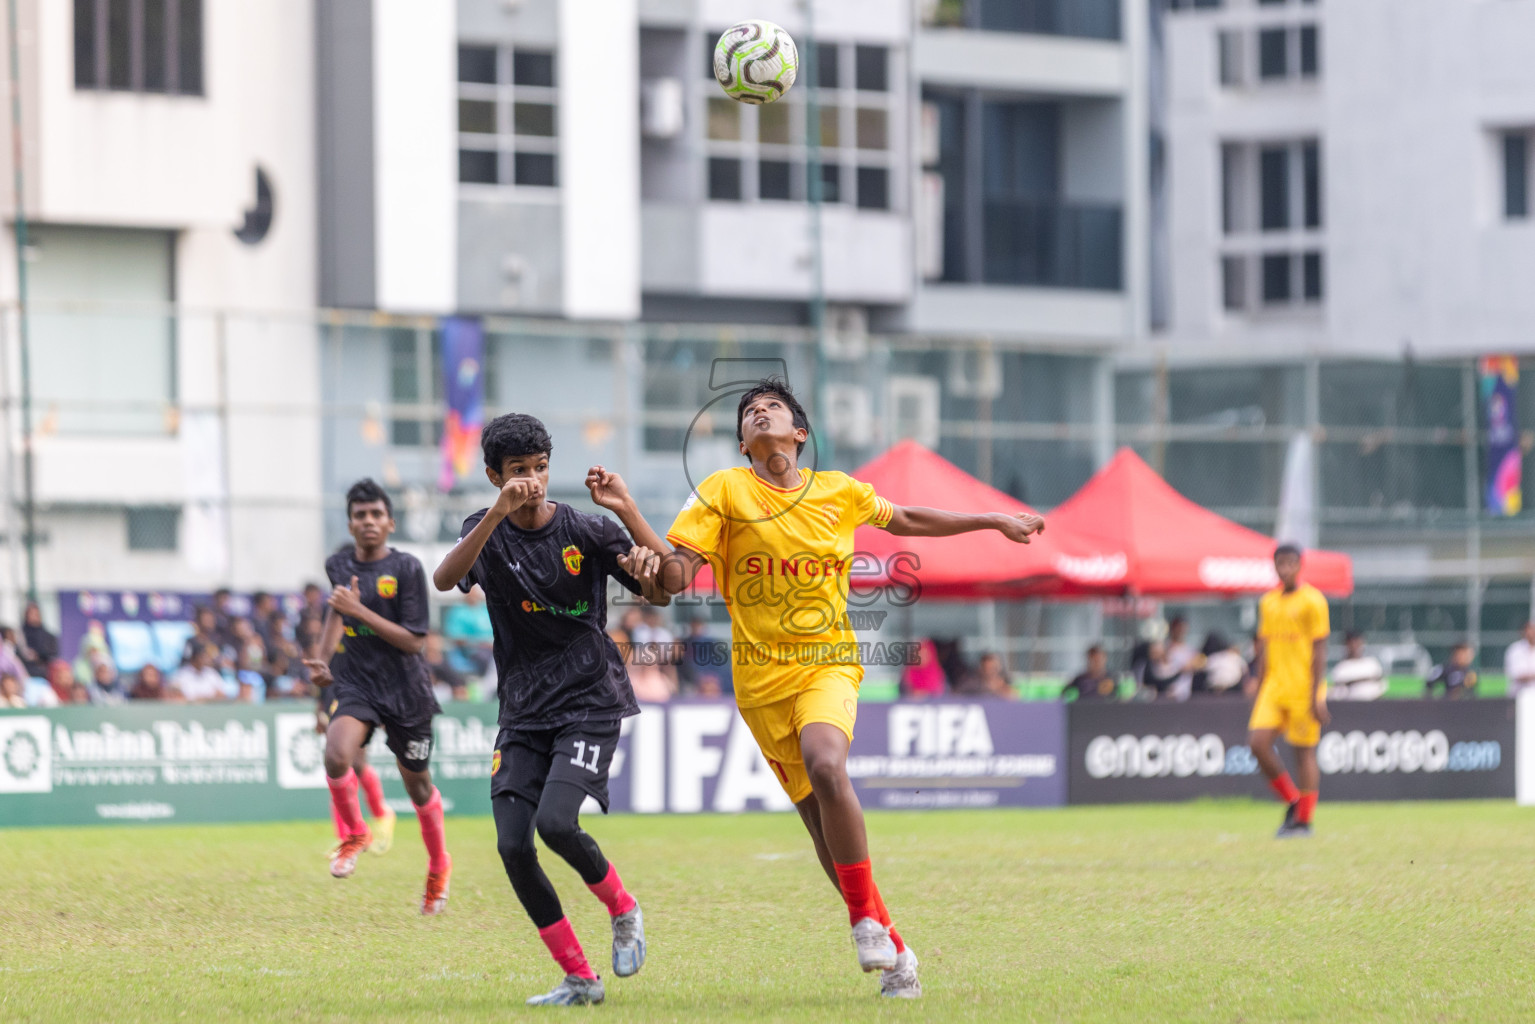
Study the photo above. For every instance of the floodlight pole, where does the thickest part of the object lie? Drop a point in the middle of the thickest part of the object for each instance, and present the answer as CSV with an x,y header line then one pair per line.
x,y
29,504
814,193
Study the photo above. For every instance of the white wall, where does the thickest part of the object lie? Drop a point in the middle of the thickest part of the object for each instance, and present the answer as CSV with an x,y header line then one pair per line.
x,y
415,159
599,163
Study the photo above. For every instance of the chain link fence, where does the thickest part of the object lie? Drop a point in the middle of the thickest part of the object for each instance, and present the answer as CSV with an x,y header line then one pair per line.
x,y
162,433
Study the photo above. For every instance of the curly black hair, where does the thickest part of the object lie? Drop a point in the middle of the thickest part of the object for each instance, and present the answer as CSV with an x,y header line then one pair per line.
x,y
364,491
507,437
779,388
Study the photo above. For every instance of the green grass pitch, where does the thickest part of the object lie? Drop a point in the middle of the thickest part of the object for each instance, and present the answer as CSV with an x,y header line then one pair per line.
x,y
1399,912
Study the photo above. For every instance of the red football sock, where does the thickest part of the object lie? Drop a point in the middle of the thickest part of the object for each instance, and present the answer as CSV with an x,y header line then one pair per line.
x,y
857,884
373,789
884,919
1285,788
560,937
430,814
611,892
1307,805
343,799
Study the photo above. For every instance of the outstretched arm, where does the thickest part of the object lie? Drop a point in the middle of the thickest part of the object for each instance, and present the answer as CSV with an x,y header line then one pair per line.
x,y
916,521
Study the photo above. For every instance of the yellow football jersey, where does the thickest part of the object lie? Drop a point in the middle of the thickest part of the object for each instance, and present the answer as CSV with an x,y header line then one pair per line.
x,y
781,560
1289,624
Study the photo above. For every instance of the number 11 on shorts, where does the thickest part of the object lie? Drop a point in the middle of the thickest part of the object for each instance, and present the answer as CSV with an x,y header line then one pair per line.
x,y
580,759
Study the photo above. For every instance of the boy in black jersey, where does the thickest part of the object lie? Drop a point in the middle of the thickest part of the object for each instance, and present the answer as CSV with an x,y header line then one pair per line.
x,y
378,677
563,687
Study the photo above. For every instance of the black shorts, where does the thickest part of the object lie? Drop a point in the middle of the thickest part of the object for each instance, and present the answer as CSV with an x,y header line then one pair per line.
x,y
580,754
411,741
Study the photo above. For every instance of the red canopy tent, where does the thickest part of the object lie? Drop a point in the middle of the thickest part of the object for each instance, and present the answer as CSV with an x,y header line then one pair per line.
x,y
1145,538
970,566
1125,532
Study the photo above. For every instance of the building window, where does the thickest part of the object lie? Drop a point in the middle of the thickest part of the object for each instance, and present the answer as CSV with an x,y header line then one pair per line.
x,y
103,330
151,46
1282,280
1277,54
153,529
415,386
762,153
724,179
1090,19
1516,176
1234,282
1271,217
508,117
1271,186
1005,219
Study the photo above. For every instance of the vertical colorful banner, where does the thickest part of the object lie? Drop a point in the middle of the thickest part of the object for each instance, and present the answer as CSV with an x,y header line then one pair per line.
x,y
463,380
1505,457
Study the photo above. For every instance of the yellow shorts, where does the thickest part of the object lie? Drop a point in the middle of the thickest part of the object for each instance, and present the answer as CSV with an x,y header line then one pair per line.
x,y
831,698
1288,710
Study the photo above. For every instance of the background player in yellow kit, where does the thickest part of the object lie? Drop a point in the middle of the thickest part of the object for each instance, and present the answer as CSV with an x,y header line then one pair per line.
x,y
1291,663
780,541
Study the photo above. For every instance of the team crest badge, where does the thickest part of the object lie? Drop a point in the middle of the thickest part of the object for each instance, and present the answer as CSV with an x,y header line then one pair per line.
x,y
495,762
572,556
832,513
388,586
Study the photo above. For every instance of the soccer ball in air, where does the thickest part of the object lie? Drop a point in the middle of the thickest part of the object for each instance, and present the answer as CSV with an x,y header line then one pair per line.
x,y
755,62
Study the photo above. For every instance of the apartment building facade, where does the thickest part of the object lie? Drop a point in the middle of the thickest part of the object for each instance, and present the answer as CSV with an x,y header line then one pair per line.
x,y
1341,203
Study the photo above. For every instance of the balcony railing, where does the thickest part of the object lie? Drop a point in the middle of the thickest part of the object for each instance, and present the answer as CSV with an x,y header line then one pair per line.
x,y
1089,19
1053,245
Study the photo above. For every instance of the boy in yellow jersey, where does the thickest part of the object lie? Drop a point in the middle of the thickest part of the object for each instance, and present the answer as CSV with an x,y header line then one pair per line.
x,y
1291,665
780,540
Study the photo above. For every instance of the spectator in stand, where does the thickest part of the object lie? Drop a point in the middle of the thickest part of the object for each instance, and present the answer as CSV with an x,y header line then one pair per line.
x,y
93,648
1456,676
106,686
447,682
79,693
223,613
1181,660
204,632
150,685
1158,676
1223,669
989,678
249,650
314,602
924,679
263,609
38,646
952,660
10,658
1359,676
10,691
61,679
198,680
1519,662
705,666
1095,682
650,685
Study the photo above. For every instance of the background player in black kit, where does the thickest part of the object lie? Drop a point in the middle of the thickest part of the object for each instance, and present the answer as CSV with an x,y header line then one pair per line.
x,y
371,649
563,687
